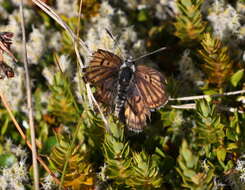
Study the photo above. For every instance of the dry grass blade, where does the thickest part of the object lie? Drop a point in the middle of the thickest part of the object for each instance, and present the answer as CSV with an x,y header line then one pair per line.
x,y
29,103
91,98
48,10
52,14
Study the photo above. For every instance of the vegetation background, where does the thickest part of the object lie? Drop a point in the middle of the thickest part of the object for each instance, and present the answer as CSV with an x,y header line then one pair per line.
x,y
197,145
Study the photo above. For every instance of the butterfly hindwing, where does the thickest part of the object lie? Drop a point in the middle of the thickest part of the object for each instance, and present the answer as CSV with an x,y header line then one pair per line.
x,y
147,92
136,112
106,92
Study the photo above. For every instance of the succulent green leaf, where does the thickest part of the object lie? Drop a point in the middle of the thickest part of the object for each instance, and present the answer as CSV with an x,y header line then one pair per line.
x,y
236,77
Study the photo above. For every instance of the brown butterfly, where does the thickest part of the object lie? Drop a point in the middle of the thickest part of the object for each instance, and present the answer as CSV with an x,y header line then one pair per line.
x,y
5,43
5,70
131,90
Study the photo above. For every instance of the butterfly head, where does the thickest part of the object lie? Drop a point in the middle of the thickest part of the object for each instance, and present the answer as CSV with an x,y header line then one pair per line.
x,y
129,63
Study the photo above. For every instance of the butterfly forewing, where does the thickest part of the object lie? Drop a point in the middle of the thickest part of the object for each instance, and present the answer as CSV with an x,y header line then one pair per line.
x,y
102,72
104,65
151,86
103,58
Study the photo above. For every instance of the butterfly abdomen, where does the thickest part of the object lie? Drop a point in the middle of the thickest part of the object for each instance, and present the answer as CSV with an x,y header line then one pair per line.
x,y
124,80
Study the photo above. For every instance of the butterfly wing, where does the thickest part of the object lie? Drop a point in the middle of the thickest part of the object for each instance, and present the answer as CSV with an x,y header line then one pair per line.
x,y
151,85
135,112
148,91
106,92
104,65
5,70
102,72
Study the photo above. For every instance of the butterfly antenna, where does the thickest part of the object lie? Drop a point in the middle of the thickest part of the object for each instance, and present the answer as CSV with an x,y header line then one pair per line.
x,y
115,39
153,52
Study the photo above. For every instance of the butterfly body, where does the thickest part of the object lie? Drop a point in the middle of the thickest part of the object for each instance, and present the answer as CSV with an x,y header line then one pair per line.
x,y
131,90
125,78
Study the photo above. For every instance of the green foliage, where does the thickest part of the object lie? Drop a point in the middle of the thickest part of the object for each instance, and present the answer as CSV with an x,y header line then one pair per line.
x,y
233,132
127,168
208,128
233,178
189,24
71,161
7,160
209,133
190,171
195,149
90,8
5,120
62,103
117,156
236,77
218,64
146,172
142,16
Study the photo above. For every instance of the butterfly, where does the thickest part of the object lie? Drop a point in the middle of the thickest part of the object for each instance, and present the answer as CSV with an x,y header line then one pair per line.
x,y
5,70
131,90
5,43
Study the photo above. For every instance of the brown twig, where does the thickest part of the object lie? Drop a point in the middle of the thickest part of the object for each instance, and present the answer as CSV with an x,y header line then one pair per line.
x,y
219,107
207,96
57,62
29,103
